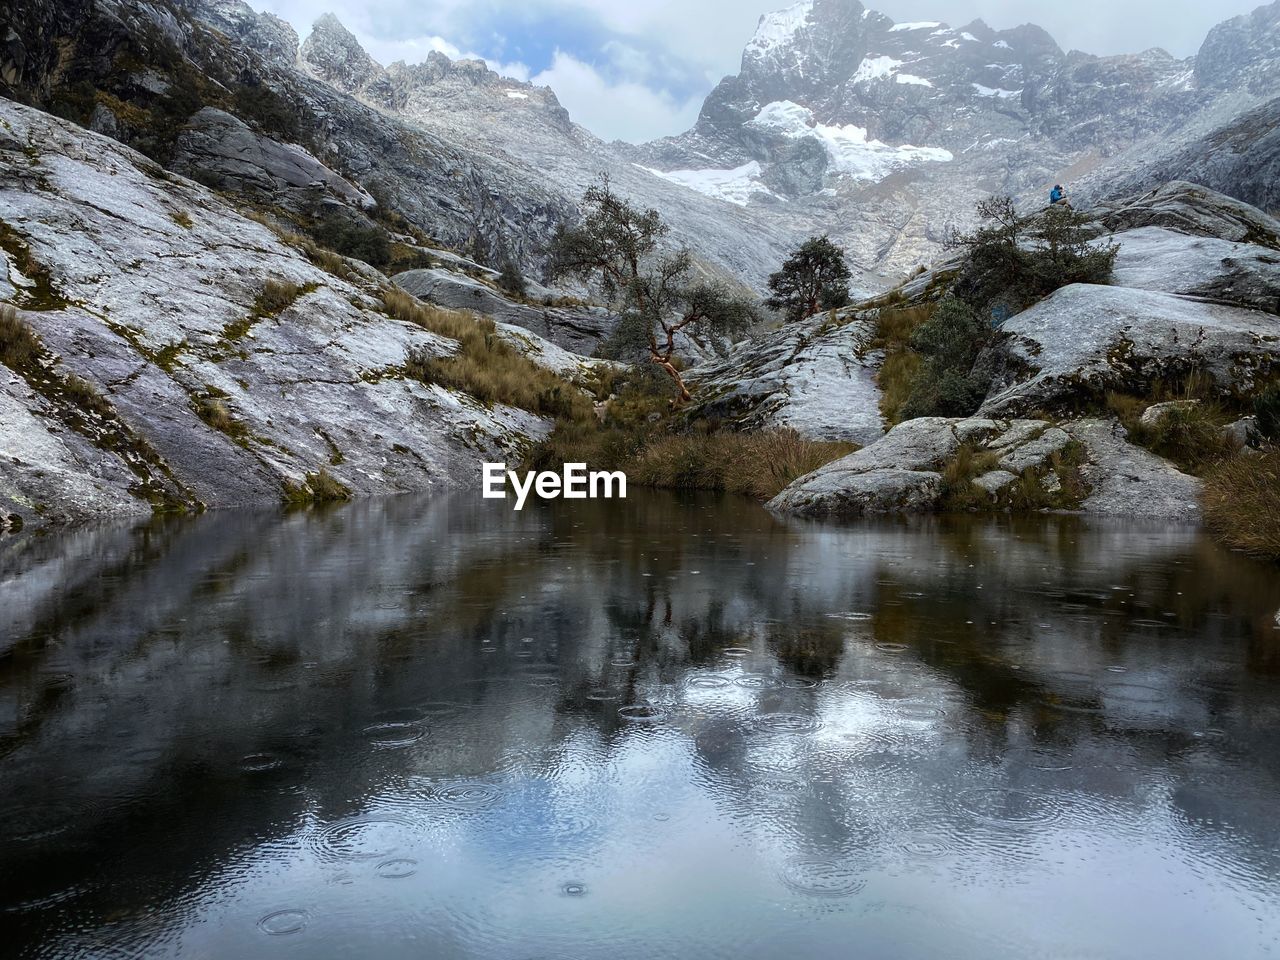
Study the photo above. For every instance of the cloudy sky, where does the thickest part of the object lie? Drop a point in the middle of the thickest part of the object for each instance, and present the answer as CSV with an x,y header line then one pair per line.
x,y
638,69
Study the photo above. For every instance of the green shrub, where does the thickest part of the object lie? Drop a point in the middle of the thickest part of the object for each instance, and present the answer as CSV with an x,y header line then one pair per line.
x,y
894,329
1266,407
511,281
948,383
318,487
367,243
969,462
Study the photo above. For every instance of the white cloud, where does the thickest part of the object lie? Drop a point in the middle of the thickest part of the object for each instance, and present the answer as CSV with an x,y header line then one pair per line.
x,y
621,110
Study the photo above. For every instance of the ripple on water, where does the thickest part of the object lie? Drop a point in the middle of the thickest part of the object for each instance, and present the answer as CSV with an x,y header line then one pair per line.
x,y
260,763
1134,692
573,888
707,681
393,733
856,615
640,713
736,652
757,681
440,708
778,784
397,868
462,796
1008,806
800,683
786,723
362,837
887,647
822,877
917,710
926,846
281,923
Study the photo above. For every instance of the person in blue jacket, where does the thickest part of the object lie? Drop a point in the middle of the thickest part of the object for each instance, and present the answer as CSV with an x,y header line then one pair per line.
x,y
1058,196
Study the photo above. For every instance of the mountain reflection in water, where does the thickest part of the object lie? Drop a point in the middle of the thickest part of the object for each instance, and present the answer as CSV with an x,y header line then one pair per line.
x,y
670,727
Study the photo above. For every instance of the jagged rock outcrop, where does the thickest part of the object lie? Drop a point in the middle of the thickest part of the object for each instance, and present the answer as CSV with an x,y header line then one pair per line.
x,y
903,472
815,376
1242,274
264,32
1241,52
1192,209
195,386
839,119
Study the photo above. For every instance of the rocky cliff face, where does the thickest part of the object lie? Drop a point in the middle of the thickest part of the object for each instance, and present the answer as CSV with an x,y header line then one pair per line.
x,y
172,80
168,370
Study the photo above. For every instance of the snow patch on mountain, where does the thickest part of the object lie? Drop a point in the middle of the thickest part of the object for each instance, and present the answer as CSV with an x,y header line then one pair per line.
x,y
876,68
736,186
922,25
850,151
982,91
777,28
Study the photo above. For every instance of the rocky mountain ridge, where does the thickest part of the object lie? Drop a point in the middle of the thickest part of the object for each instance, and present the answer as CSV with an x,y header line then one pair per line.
x,y
888,132
839,120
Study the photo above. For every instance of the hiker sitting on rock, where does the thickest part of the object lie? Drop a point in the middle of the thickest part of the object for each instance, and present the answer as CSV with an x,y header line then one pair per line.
x,y
1058,197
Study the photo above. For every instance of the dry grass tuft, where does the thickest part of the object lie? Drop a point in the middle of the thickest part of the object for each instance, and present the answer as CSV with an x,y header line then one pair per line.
x,y
276,295
19,346
484,365
758,465
1242,504
318,487
214,412
85,396
967,464
901,366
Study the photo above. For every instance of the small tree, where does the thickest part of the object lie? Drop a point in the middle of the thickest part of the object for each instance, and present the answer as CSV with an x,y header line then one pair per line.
x,y
657,292
814,277
511,281
1012,262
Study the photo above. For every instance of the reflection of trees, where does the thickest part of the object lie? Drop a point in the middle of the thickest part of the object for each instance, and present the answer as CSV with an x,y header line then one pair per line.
x,y
810,650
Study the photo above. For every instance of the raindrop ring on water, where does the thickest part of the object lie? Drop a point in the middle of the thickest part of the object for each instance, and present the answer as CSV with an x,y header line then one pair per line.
x,y
283,922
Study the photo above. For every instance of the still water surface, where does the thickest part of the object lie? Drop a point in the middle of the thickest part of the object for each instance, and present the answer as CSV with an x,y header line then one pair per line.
x,y
659,728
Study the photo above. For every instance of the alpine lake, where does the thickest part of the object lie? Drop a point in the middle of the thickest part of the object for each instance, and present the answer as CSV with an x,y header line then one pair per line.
x,y
665,727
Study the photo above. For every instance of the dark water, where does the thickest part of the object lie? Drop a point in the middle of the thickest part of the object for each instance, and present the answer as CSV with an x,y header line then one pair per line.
x,y
667,729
